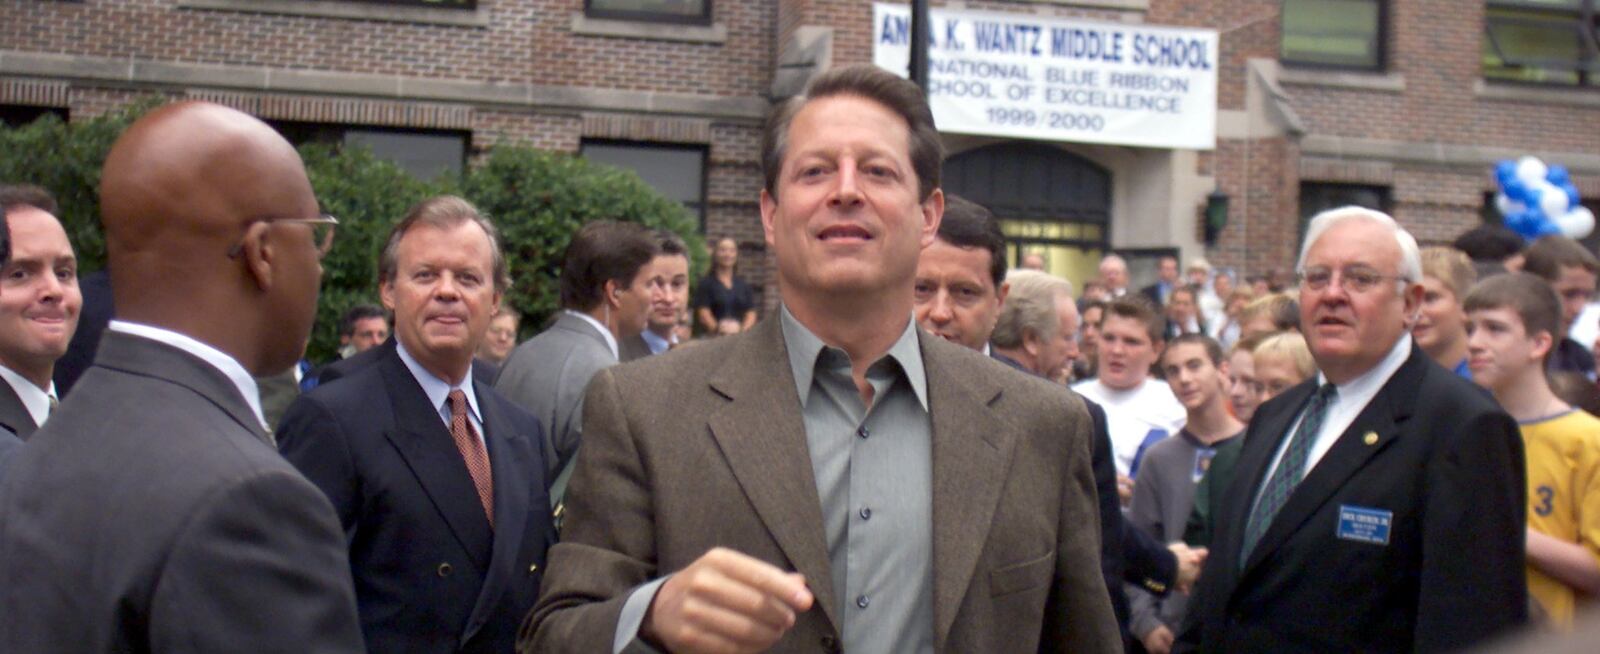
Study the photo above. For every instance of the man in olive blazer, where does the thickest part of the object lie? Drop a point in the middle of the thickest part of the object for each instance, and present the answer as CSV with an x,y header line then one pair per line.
x,y
704,447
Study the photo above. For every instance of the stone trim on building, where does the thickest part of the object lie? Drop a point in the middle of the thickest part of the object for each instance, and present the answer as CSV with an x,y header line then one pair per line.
x,y
478,17
254,78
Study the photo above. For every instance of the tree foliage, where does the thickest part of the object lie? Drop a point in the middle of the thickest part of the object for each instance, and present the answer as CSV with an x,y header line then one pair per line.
x,y
538,199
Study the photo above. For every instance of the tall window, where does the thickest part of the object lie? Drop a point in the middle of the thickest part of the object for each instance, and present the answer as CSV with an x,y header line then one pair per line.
x,y
13,115
1333,33
1543,42
1316,197
675,171
697,12
448,4
425,154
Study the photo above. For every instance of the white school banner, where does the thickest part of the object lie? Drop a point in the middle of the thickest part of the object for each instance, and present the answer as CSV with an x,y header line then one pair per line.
x,y
1060,79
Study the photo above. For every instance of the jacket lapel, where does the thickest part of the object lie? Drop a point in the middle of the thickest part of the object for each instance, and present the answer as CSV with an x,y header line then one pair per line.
x,y
1382,417
150,358
971,449
509,464
762,435
420,436
14,414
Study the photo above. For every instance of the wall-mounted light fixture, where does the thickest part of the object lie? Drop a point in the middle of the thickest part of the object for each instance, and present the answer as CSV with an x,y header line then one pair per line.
x,y
1216,216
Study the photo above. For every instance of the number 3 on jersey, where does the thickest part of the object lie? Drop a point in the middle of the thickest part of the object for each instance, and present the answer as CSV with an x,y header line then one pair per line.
x,y
1546,496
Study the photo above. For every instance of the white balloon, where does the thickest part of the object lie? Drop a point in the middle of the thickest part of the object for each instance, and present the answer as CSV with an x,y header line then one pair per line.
x,y
1506,205
1531,170
1576,223
1552,200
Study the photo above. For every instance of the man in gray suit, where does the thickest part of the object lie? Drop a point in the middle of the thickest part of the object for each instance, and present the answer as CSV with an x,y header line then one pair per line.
x,y
38,309
153,514
834,479
603,303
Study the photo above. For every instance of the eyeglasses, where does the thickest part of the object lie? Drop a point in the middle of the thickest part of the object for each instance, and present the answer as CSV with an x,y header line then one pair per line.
x,y
1352,280
322,228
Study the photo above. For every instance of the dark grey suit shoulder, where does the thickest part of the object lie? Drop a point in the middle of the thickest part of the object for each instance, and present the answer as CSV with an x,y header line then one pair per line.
x,y
151,514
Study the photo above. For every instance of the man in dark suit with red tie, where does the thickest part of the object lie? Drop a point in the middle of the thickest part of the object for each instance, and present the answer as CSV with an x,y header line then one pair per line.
x,y
437,479
1379,506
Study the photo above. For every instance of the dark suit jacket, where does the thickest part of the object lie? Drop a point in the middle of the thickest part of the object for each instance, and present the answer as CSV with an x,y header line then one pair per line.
x,y
1153,293
705,446
14,416
1431,448
92,320
633,349
482,372
9,445
430,573
151,514
1126,554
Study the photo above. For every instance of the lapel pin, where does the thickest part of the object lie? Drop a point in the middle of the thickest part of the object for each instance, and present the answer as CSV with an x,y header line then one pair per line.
x,y
1371,438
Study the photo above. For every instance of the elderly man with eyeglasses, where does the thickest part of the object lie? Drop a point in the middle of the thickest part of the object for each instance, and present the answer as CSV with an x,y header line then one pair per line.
x,y
1379,506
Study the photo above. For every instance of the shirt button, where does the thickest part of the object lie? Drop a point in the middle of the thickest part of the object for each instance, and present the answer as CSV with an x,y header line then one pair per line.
x,y
862,601
866,513
862,432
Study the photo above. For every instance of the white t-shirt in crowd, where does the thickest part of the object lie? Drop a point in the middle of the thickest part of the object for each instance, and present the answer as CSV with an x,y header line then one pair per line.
x,y
1136,418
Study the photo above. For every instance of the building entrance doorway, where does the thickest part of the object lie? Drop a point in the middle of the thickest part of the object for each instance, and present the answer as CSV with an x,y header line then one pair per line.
x,y
1049,201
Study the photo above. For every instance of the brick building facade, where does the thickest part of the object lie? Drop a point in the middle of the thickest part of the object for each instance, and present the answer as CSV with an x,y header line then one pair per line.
x,y
1416,129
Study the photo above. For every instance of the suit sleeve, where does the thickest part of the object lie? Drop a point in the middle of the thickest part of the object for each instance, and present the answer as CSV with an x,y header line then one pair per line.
x,y
1105,486
1078,614
1476,484
1149,563
1144,515
262,566
608,540
567,432
311,439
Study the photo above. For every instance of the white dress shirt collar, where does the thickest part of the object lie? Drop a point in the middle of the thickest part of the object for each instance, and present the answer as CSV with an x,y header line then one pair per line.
x,y
227,365
1352,398
438,390
611,340
658,343
36,400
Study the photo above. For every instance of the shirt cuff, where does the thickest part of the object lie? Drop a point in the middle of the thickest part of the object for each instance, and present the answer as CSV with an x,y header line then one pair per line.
x,y
632,618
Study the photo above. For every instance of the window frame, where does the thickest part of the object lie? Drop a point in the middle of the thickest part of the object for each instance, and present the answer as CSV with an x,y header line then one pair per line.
x,y
648,16
1303,220
1380,46
337,135
1585,21
700,209
466,5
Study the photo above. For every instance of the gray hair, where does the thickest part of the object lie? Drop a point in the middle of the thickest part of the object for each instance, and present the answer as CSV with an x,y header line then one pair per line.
x,y
1030,306
1410,255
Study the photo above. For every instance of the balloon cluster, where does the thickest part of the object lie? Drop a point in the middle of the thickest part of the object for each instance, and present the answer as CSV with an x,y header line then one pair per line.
x,y
1538,200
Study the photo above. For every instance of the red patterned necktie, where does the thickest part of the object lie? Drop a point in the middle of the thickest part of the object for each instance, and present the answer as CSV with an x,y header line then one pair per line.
x,y
472,452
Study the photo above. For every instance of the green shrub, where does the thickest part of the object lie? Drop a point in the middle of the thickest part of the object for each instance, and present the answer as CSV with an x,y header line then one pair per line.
x,y
537,198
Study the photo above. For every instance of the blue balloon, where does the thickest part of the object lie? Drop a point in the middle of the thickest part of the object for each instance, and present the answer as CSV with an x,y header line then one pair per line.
x,y
1558,175
1516,190
1531,224
1572,193
1505,171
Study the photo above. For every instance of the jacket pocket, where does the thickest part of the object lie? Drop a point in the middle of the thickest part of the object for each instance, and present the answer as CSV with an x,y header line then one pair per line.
x,y
1022,576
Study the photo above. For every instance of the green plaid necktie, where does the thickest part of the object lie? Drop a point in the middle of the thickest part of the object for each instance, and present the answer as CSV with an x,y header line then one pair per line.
x,y
1290,470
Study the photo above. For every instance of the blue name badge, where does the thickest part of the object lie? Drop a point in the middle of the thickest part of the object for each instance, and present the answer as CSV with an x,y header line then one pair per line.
x,y
1364,525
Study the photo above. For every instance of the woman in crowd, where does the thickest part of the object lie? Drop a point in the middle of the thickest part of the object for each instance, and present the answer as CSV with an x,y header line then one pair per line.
x,y
722,295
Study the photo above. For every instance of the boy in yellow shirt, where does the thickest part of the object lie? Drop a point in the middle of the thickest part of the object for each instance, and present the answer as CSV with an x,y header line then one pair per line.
x,y
1513,322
